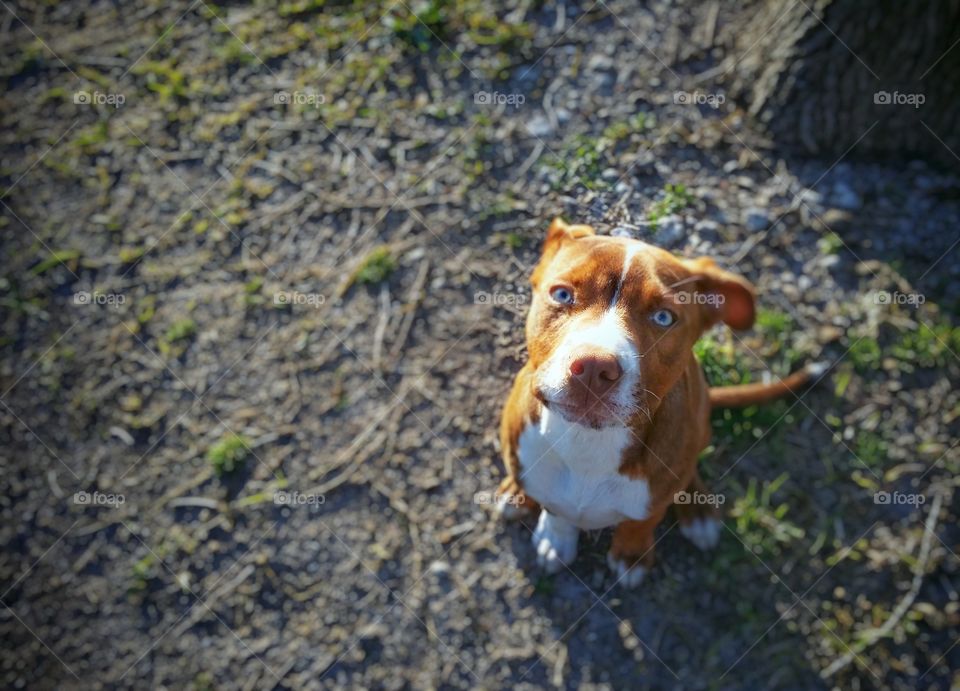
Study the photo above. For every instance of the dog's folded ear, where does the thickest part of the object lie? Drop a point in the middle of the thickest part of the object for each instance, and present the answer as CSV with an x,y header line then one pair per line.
x,y
558,233
727,297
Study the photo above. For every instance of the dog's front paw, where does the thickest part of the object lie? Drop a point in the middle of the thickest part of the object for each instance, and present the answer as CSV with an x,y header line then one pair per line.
x,y
556,542
704,532
628,576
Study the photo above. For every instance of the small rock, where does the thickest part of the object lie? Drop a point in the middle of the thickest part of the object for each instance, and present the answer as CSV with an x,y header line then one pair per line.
x,y
811,197
756,219
439,567
669,230
599,62
610,174
845,196
539,126
707,227
829,334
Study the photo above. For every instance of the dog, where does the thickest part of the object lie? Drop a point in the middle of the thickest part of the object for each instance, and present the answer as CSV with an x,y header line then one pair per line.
x,y
605,422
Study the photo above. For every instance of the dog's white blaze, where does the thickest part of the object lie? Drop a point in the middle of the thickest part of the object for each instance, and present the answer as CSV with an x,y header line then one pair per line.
x,y
629,253
572,471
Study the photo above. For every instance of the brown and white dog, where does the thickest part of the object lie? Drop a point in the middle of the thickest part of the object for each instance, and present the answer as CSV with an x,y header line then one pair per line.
x,y
604,423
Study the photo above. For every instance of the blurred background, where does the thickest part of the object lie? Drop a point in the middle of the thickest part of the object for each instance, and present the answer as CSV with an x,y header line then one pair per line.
x,y
263,280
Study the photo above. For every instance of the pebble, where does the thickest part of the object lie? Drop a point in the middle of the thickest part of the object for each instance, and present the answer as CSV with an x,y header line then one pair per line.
x,y
756,219
669,230
539,126
845,196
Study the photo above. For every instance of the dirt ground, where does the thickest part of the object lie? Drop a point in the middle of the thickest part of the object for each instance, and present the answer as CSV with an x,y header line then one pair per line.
x,y
264,274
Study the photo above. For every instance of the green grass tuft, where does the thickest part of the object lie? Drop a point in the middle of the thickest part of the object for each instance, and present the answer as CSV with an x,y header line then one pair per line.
x,y
180,330
376,267
675,198
229,454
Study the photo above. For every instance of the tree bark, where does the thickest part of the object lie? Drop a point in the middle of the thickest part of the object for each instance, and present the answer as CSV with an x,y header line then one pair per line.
x,y
823,77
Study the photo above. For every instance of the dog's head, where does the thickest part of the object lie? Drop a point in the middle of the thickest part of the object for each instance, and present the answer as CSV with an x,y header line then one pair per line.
x,y
613,320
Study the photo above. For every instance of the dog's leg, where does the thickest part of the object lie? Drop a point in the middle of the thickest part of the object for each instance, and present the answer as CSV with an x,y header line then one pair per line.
x,y
699,520
555,540
512,501
631,553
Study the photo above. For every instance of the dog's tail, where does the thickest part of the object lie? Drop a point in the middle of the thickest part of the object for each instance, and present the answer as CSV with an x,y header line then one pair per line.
x,y
750,394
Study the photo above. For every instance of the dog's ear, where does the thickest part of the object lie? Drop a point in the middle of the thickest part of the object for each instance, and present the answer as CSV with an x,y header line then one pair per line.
x,y
558,233
726,296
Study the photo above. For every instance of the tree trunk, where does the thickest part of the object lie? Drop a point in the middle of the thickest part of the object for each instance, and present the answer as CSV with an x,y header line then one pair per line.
x,y
880,79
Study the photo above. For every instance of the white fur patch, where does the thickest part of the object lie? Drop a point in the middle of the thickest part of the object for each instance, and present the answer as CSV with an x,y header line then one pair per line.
x,y
702,532
556,542
572,471
627,576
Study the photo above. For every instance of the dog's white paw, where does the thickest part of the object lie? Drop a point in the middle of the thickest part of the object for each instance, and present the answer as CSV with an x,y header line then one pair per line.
x,y
627,576
556,542
702,532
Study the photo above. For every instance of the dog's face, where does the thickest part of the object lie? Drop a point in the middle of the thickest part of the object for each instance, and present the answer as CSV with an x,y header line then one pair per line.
x,y
612,322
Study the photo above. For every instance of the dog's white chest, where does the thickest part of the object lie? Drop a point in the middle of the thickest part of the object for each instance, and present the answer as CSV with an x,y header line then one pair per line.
x,y
572,471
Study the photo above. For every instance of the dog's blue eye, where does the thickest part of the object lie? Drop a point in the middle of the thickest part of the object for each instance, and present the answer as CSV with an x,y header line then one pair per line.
x,y
663,318
562,295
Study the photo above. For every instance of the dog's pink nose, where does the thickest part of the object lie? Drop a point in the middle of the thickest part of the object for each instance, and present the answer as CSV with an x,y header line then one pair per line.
x,y
596,370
